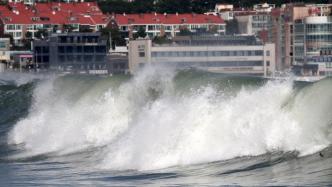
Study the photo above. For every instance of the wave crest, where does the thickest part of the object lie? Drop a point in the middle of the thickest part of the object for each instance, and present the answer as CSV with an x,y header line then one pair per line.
x,y
148,122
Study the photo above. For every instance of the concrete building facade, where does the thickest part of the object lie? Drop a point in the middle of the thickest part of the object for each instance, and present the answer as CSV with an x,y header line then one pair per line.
x,y
244,58
84,53
305,38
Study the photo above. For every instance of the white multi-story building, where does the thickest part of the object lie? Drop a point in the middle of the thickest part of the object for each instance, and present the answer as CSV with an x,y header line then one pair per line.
x,y
252,23
225,11
169,24
18,19
223,54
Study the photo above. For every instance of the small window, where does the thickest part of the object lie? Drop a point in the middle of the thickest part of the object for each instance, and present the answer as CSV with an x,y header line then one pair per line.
x,y
267,53
141,54
88,58
69,49
46,49
61,49
38,49
46,59
267,63
79,49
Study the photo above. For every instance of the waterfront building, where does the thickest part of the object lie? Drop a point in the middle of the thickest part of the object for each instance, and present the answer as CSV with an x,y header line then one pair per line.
x,y
4,55
222,54
4,50
22,60
72,52
256,20
25,21
155,24
251,23
305,38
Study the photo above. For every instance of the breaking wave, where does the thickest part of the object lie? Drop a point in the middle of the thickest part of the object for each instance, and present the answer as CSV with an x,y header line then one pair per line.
x,y
161,118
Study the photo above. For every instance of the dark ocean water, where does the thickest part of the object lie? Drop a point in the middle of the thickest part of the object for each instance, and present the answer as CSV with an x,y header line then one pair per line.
x,y
164,128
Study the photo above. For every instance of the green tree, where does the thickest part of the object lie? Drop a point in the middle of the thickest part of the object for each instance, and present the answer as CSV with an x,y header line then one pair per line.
x,y
161,40
143,6
140,33
41,33
171,6
85,28
116,6
116,38
69,28
28,35
185,32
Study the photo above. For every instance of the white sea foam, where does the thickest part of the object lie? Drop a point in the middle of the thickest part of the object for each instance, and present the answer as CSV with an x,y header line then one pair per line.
x,y
145,124
22,78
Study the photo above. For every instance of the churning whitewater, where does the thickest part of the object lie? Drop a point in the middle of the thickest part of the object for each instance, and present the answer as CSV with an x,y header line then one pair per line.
x,y
158,119
163,127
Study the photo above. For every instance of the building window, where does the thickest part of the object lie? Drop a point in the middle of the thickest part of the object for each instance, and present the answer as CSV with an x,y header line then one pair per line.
x,y
88,58
151,27
100,58
69,49
141,54
18,34
10,27
61,49
61,58
100,49
79,49
46,59
2,45
267,53
38,49
45,49
88,49
267,63
70,58
258,53
39,59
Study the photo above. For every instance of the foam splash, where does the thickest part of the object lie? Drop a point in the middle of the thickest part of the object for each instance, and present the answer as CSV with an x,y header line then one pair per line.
x,y
146,124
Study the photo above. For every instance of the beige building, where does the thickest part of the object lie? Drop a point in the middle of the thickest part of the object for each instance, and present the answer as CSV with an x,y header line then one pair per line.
x,y
225,55
4,52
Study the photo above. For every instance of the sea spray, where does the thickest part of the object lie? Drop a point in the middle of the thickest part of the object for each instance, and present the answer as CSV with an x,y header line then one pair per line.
x,y
149,122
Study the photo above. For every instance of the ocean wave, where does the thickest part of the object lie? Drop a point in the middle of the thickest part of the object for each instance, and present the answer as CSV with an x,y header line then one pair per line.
x,y
161,118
